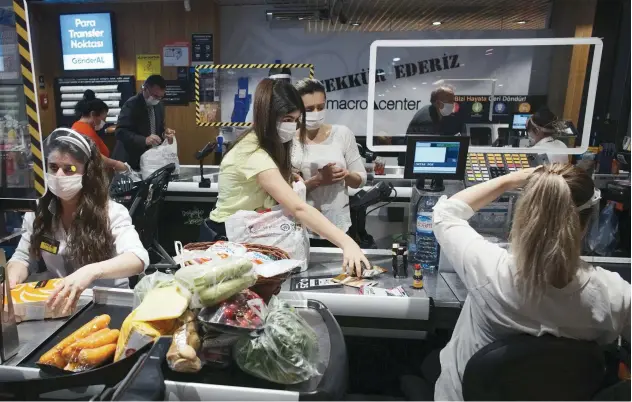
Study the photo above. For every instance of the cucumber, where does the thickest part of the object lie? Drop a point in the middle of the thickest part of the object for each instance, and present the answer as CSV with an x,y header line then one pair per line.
x,y
200,277
225,290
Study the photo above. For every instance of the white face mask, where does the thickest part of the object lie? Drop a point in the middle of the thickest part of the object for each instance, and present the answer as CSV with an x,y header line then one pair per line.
x,y
151,101
100,125
313,120
447,110
287,131
65,187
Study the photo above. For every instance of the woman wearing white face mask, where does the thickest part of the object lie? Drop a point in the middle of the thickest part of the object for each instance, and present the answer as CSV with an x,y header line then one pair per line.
x,y
327,159
256,172
542,129
93,112
78,232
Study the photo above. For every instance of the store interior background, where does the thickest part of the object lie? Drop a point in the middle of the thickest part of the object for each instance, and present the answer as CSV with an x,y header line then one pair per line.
x,y
243,34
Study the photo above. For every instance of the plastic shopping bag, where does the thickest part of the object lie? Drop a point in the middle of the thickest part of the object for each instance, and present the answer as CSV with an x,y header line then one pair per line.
x,y
157,157
284,352
603,232
273,228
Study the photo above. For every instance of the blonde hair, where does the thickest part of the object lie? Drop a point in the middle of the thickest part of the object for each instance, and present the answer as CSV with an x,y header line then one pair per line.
x,y
547,229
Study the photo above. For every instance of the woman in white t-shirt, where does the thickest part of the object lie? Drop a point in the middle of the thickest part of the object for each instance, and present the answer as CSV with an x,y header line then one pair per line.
x,y
542,128
328,160
542,286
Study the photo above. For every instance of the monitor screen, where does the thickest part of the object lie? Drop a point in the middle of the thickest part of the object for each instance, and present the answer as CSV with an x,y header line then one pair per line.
x,y
520,121
436,157
86,41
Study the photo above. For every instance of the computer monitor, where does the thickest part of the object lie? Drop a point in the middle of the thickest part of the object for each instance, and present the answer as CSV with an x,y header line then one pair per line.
x,y
519,121
436,157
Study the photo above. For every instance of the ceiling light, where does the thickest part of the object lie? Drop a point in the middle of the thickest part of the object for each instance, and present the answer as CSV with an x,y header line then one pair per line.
x,y
522,22
500,85
355,23
269,12
414,88
489,50
396,59
436,23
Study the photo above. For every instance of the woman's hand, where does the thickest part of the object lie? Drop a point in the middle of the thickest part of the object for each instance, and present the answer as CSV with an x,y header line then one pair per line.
x,y
65,296
16,273
297,177
331,174
353,258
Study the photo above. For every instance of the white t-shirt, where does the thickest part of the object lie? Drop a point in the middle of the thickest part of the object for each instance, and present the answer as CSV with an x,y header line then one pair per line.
x,y
340,147
125,240
550,142
594,306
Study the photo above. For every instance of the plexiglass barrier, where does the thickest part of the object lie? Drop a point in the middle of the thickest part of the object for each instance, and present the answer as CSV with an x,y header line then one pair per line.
x,y
485,89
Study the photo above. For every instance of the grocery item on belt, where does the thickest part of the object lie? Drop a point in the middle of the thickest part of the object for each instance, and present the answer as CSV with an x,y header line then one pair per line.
x,y
163,304
218,293
257,258
373,272
135,334
217,348
200,277
240,314
182,354
226,249
29,301
353,281
54,356
279,267
284,352
96,340
148,282
90,358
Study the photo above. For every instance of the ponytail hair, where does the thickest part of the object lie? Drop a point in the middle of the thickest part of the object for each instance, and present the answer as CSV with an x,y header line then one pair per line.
x,y
90,104
547,229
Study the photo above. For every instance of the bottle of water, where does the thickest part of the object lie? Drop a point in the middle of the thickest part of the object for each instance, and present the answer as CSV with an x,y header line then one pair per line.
x,y
427,253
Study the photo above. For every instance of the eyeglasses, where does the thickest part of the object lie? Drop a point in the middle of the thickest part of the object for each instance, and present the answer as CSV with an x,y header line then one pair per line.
x,y
68,170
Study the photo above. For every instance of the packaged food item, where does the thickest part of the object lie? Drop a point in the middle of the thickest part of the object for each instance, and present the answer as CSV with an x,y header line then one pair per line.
x,y
135,334
284,352
100,338
353,281
217,348
148,282
257,258
162,304
29,301
54,356
182,354
91,358
225,249
218,293
200,277
375,291
373,272
274,268
240,314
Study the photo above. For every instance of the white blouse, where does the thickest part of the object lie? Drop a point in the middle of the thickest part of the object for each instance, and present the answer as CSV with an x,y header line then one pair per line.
x,y
340,147
125,240
594,306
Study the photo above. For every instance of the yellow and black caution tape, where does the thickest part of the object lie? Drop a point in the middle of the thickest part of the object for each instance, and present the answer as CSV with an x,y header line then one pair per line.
x,y
24,48
198,117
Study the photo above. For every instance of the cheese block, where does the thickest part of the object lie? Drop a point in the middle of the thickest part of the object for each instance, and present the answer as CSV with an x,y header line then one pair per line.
x,y
162,304
29,301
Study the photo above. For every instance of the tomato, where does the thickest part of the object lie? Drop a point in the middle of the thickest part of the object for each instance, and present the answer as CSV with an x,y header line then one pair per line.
x,y
229,313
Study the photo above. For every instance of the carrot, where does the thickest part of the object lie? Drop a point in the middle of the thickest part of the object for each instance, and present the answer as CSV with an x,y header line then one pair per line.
x,y
95,340
53,357
89,358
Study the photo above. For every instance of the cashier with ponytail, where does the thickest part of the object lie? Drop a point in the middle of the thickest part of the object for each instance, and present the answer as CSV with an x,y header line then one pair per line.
x,y
93,112
256,172
79,233
541,285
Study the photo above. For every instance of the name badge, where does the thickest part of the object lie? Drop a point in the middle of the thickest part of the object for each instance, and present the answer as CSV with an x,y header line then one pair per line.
x,y
49,245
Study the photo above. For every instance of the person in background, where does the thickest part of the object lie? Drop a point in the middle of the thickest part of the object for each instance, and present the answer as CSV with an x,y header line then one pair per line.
x,y
256,172
542,127
328,159
141,123
92,112
437,118
542,286
81,235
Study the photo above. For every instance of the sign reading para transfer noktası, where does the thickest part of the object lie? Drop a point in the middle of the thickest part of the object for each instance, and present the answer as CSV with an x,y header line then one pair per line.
x,y
86,41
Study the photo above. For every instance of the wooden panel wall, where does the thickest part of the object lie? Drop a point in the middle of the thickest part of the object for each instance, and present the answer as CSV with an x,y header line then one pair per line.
x,y
141,28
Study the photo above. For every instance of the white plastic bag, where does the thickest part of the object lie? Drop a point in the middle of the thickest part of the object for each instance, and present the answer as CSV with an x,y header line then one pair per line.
x,y
274,228
157,157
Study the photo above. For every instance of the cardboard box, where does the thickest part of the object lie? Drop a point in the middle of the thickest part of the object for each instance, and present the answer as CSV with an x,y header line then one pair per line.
x,y
29,301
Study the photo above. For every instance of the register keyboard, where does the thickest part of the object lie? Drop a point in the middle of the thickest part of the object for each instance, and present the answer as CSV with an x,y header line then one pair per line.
x,y
483,167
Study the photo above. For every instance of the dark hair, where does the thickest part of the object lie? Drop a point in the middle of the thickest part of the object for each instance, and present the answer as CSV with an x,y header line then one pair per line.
x,y
90,104
273,100
155,81
434,95
90,238
309,86
545,122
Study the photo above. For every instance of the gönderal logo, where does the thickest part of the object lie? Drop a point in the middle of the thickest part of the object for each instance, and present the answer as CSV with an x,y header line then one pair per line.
x,y
87,41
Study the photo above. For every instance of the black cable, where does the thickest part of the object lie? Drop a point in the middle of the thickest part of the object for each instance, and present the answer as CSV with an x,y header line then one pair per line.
x,y
388,202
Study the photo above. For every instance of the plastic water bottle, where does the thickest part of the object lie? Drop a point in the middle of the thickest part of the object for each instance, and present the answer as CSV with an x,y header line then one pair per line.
x,y
427,253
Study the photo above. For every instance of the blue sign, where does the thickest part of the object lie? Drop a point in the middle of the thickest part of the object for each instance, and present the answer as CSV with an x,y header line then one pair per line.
x,y
86,41
500,107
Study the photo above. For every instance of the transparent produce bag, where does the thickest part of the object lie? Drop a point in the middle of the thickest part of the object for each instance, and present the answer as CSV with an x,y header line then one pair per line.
x,y
240,314
149,282
285,351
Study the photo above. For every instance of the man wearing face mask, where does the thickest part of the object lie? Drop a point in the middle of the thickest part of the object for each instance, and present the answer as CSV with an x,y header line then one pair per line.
x,y
327,159
437,118
141,123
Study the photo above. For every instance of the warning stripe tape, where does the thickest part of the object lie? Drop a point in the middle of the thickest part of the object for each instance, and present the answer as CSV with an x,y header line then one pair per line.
x,y
198,114
24,48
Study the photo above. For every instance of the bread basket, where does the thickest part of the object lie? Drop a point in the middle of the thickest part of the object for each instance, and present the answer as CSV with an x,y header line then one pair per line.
x,y
265,287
